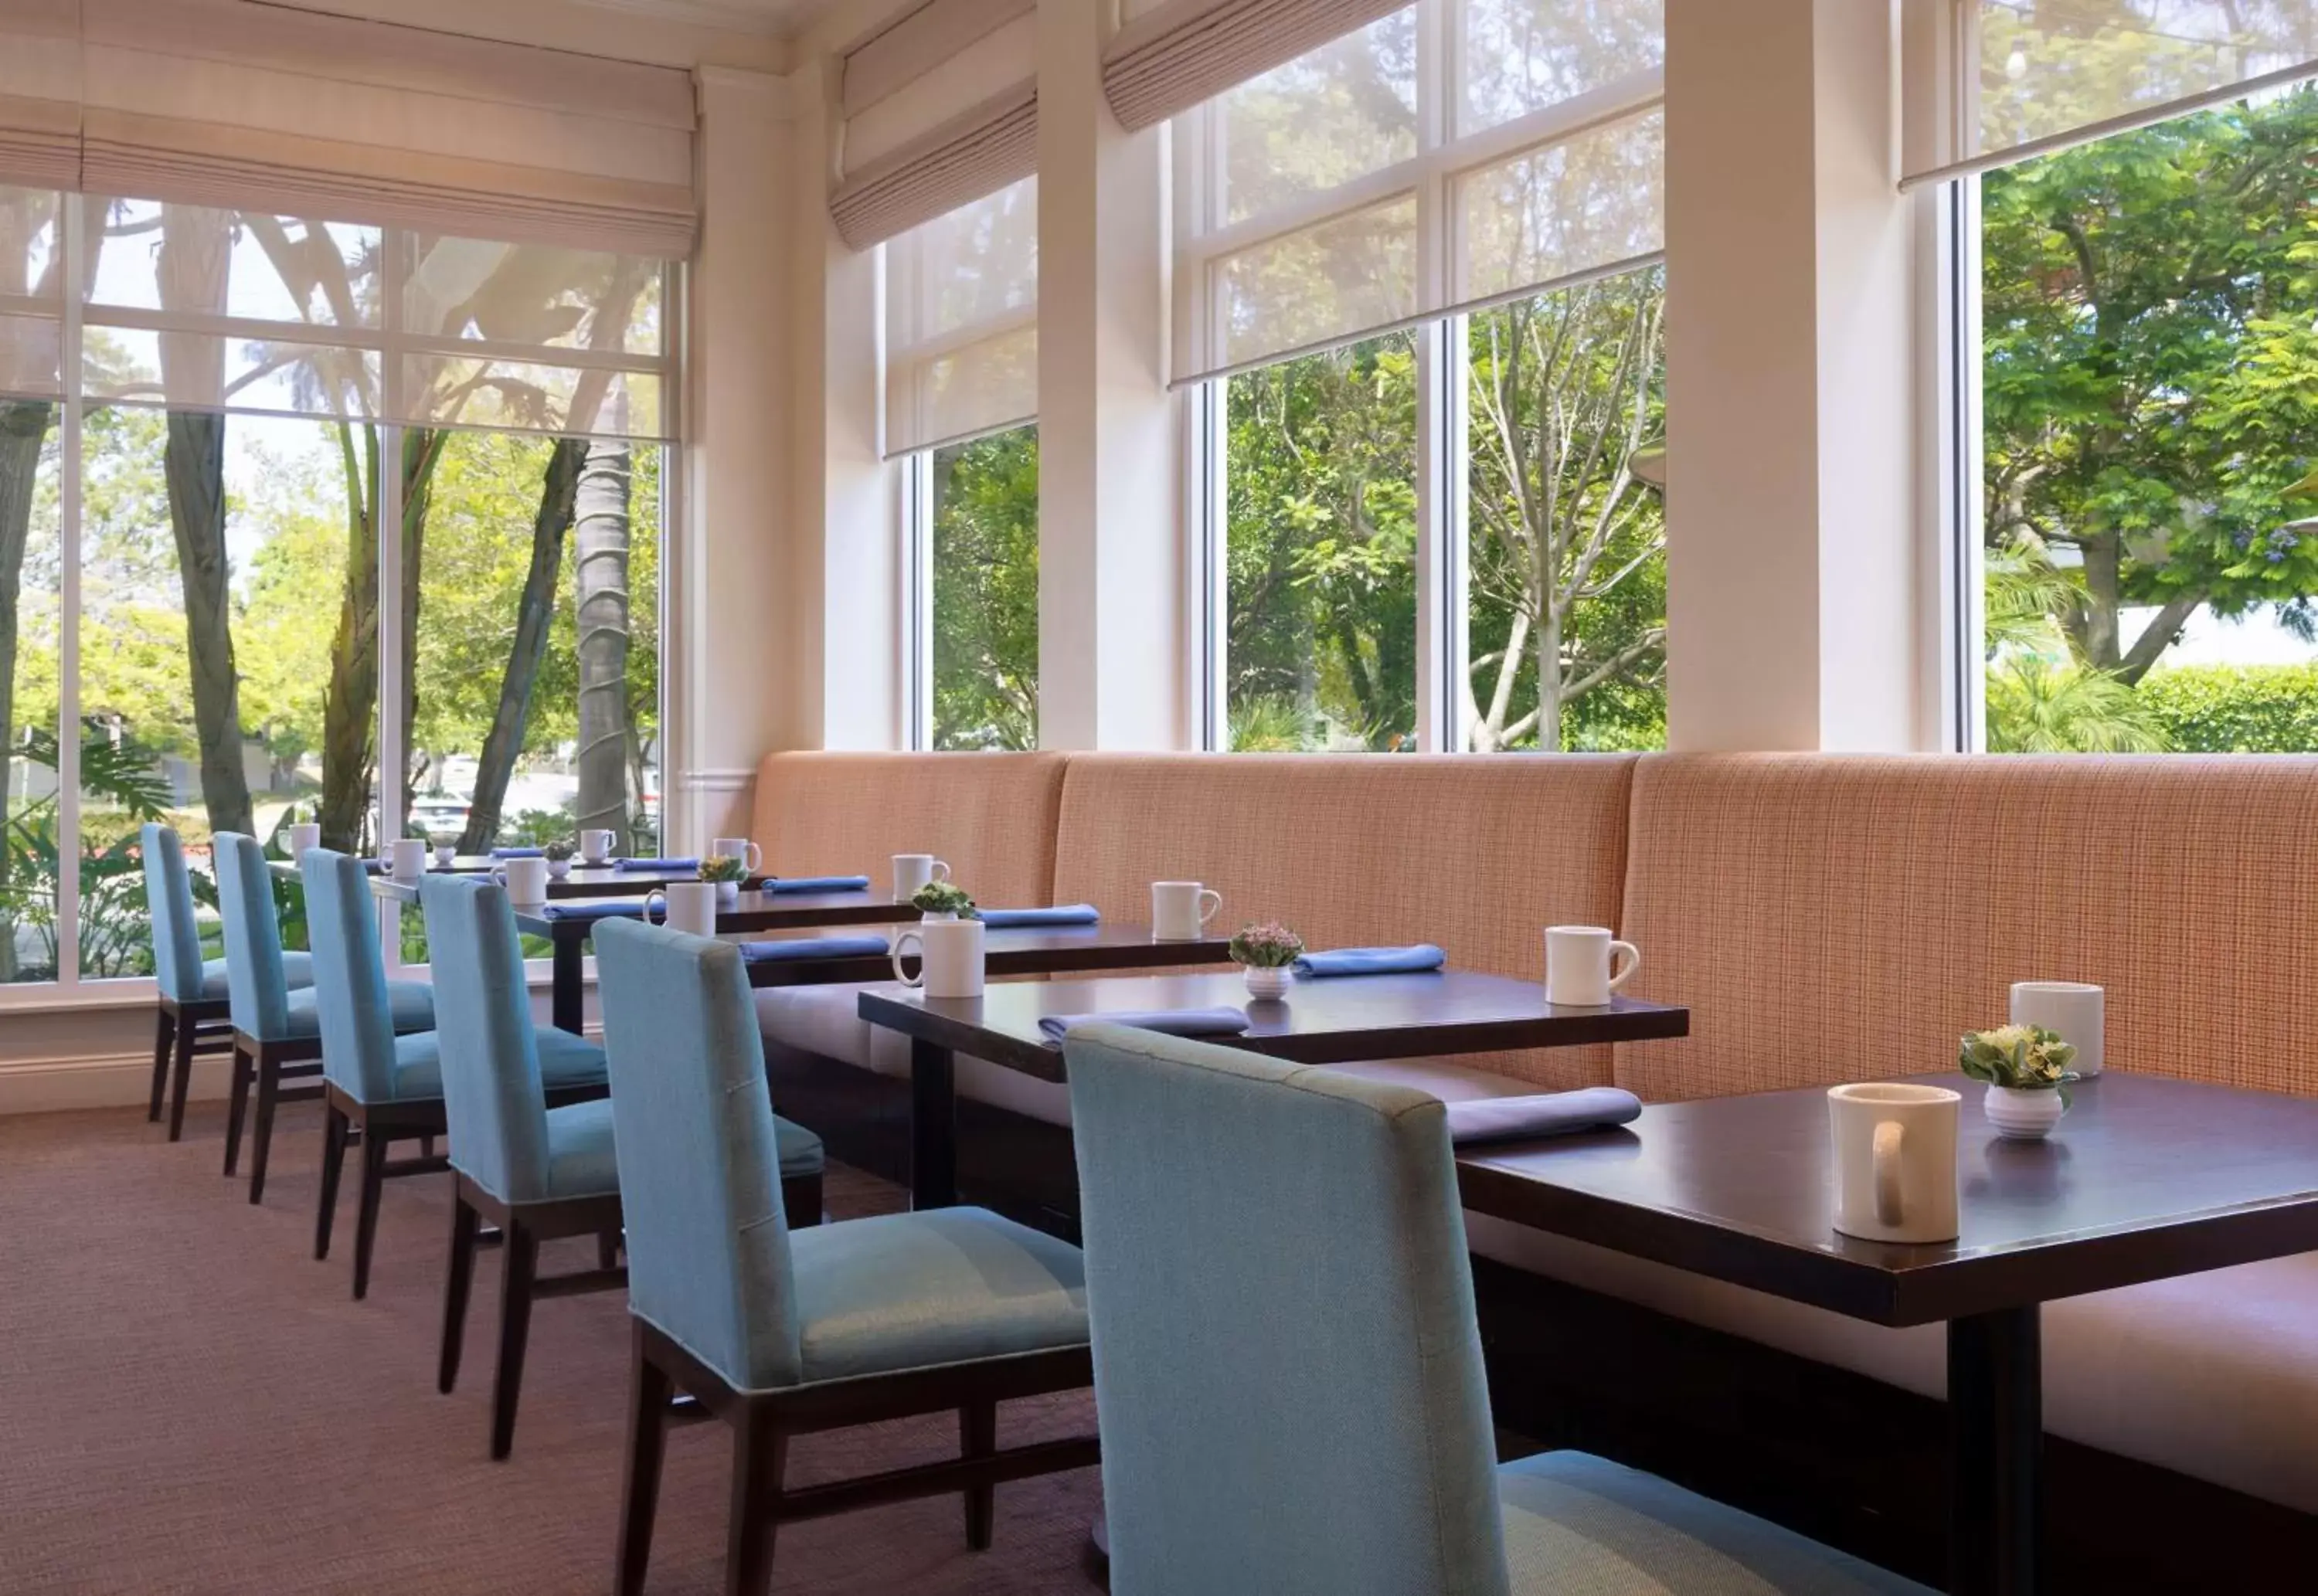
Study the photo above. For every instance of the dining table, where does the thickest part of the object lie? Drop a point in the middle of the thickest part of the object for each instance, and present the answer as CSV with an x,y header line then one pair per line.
x,y
2145,1178
581,881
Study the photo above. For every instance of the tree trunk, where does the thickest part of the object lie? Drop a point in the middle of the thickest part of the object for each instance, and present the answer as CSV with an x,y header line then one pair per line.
x,y
558,498
350,702
23,428
602,570
421,451
193,460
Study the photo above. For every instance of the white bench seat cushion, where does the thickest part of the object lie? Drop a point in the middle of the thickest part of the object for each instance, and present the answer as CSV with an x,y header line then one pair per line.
x,y
2214,1375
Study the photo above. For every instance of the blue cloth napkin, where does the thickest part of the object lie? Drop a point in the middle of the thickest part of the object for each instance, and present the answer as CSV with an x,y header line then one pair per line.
x,y
813,948
1371,961
518,853
1553,1113
658,864
1067,914
817,884
1172,1022
593,911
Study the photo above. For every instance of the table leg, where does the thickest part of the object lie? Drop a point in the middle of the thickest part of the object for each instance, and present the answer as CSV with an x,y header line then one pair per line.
x,y
1997,1449
933,1126
567,1005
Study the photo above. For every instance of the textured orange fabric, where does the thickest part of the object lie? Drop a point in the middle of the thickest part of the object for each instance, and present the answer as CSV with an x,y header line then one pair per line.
x,y
992,816
1833,919
1477,855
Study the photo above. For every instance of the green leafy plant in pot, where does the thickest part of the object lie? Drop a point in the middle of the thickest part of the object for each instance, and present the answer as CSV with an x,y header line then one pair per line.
x,y
2025,1069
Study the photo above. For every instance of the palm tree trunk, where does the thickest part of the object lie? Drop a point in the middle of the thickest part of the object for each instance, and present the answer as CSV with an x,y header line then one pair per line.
x,y
350,702
558,499
602,571
193,460
23,429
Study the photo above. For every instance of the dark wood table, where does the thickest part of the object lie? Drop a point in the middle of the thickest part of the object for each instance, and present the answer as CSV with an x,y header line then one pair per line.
x,y
1319,1022
1018,950
2144,1179
580,882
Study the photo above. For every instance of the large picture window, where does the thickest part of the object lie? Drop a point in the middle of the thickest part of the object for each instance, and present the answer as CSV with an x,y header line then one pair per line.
x,y
982,583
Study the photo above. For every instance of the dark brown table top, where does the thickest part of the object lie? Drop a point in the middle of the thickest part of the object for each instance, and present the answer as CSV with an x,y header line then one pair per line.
x,y
756,911
1021,950
2145,1178
1319,1022
597,883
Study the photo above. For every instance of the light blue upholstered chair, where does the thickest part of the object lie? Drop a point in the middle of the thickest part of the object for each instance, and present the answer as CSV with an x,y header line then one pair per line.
x,y
390,1086
277,1031
778,1332
195,1014
1288,1371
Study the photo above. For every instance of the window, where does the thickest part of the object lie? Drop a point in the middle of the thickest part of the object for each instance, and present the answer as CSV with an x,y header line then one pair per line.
x,y
338,492
983,581
1419,269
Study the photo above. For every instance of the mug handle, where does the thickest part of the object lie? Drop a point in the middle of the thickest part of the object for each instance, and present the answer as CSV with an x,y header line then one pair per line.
x,y
498,875
940,871
646,915
1633,963
1891,1143
918,980
1209,911
753,861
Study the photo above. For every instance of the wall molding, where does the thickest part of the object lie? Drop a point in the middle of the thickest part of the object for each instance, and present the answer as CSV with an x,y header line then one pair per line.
x,y
733,780
98,1080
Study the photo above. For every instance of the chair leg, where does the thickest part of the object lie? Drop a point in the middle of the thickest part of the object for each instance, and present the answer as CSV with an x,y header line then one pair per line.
x,y
607,1249
759,1450
181,1076
977,1434
261,1130
375,1146
164,1038
648,1395
464,1222
522,1260
236,1106
801,1200
334,1159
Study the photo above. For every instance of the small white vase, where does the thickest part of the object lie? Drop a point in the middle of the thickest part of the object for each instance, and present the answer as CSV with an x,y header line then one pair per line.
x,y
561,869
1265,984
728,895
2024,1116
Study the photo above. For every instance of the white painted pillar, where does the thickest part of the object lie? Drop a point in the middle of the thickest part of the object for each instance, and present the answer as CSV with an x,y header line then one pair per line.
x,y
1110,572
726,569
1794,586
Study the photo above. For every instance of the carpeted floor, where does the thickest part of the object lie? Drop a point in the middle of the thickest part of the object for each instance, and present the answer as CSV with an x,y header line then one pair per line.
x,y
190,1403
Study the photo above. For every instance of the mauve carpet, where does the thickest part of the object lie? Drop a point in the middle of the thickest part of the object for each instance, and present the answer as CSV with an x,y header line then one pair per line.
x,y
190,1403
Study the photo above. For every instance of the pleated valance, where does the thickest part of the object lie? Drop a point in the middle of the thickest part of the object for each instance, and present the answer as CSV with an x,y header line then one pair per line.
x,y
1174,54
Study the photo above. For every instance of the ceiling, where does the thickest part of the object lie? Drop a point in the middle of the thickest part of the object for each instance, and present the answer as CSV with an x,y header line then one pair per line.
x,y
755,16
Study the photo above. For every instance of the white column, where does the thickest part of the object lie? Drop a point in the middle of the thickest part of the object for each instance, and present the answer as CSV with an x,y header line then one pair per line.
x,y
726,643
1111,571
1793,582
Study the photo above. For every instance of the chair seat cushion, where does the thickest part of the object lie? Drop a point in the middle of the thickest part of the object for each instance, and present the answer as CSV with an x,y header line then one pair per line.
x,y
946,1286
411,1003
297,972
579,1158
2214,1374
564,1061
800,1149
1579,1523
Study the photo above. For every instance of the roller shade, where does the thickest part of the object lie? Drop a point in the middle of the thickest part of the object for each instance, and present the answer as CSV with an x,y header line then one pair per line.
x,y
962,322
39,93
941,109
1174,54
31,293
2013,79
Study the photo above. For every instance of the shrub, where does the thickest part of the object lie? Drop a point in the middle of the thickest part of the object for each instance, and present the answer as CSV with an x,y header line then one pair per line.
x,y
2219,709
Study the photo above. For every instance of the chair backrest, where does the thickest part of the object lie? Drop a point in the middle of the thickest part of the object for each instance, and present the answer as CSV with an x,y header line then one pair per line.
x,y
350,995
1286,1359
169,903
256,990
493,1100
692,1122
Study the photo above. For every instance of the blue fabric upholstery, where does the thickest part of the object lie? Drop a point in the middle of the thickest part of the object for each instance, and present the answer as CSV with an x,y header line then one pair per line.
x,y
817,884
1065,914
1286,1357
1582,1525
945,1286
1419,959
580,1162
564,1060
797,949
177,965
350,991
799,1149
493,1095
263,1000
297,969
1172,1022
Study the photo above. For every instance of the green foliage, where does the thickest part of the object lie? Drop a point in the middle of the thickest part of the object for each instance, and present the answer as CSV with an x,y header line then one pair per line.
x,y
1272,724
985,593
2264,709
943,897
2019,1058
2037,707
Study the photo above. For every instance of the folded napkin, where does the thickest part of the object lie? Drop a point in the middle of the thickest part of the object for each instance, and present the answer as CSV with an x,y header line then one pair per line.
x,y
1553,1113
1371,961
593,911
813,948
1172,1022
658,864
817,884
1067,914
518,853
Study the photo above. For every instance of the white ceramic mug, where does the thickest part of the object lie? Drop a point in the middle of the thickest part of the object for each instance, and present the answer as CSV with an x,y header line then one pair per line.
x,y
2074,1010
1180,909
950,957
408,859
687,906
304,839
525,881
913,871
1580,963
751,857
596,847
1895,1161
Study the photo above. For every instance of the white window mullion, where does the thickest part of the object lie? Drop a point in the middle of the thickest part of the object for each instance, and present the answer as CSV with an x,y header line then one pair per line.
x,y
1207,505
72,239
1453,389
918,595
1436,457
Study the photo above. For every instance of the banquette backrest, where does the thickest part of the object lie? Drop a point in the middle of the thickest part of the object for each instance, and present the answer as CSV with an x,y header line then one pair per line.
x,y
992,816
1831,918
1477,855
